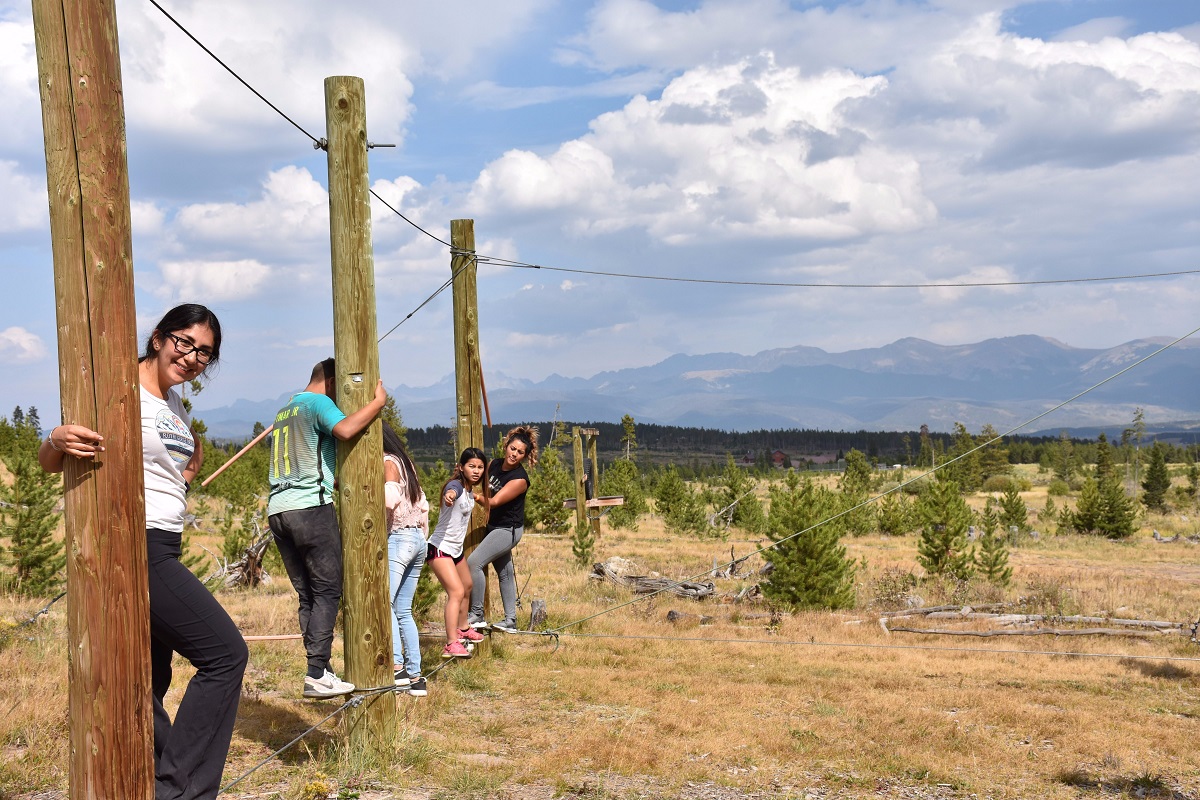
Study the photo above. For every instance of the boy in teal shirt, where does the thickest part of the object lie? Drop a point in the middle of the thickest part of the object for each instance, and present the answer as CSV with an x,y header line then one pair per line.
x,y
301,515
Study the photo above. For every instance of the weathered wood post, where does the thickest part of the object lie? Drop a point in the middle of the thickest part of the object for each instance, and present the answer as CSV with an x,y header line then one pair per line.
x,y
108,605
360,461
593,434
468,385
580,478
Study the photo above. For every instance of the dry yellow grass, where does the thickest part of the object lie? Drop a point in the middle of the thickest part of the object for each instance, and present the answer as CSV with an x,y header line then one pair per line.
x,y
814,704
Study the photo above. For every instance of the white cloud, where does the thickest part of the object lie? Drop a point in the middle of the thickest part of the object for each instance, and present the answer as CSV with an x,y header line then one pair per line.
x,y
748,150
23,201
1094,30
213,281
19,346
290,217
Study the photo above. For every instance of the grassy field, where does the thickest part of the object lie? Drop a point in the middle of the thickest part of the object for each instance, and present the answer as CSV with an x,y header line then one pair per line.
x,y
744,703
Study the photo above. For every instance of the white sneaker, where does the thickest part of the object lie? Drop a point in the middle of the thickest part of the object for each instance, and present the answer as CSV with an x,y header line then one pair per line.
x,y
508,626
328,685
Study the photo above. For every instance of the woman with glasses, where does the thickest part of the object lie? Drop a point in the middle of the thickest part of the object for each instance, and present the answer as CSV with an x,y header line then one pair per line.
x,y
190,753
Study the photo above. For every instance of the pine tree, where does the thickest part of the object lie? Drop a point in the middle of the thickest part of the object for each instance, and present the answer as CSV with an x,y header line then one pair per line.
x,y
925,453
1064,459
810,570
1158,480
583,542
629,438
992,559
945,518
1013,512
623,479
855,489
965,470
737,490
894,515
550,483
993,459
681,509
28,521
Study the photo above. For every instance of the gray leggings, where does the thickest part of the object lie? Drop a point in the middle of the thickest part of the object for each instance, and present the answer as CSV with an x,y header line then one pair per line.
x,y
495,549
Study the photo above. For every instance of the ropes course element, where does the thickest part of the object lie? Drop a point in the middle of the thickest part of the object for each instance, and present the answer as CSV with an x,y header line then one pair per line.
x,y
876,498
317,143
504,262
440,289
874,646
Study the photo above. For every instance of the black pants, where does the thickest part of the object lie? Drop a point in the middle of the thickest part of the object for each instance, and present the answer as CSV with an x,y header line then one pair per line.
x,y
189,754
310,545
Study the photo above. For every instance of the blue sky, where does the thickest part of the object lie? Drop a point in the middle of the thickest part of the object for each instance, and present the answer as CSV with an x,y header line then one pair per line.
x,y
863,142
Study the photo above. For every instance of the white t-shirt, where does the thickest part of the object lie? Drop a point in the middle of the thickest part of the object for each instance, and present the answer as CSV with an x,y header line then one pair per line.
x,y
167,447
450,534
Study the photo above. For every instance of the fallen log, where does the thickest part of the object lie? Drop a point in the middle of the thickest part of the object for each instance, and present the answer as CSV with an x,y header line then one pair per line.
x,y
641,584
1031,632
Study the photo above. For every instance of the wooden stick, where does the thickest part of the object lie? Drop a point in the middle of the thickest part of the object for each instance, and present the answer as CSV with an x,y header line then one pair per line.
x,y
236,456
483,391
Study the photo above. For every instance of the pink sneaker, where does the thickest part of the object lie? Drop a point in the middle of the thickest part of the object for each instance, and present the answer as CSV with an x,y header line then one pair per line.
x,y
470,634
455,650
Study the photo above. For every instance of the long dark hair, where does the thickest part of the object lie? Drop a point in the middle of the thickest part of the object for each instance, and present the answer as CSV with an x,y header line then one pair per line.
x,y
467,455
181,318
394,447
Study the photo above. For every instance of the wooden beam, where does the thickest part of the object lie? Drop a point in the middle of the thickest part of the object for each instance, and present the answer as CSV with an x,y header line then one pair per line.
x,y
580,477
108,605
365,607
468,373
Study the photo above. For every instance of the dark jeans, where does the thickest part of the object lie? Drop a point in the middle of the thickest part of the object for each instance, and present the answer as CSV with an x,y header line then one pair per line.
x,y
310,545
189,754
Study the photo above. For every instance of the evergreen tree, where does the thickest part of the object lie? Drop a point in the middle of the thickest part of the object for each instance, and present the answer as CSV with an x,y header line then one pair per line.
x,y
945,518
992,560
737,490
28,521
624,479
810,570
993,459
628,438
1193,477
964,471
1104,464
550,483
681,509
1013,511
855,489
583,542
925,454
894,515
1158,481
1064,460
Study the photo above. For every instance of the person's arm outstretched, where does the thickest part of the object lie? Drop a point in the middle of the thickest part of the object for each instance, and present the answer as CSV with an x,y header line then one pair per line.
x,y
354,423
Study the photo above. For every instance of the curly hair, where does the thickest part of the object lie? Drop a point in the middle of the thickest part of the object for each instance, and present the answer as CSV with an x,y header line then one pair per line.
x,y
528,436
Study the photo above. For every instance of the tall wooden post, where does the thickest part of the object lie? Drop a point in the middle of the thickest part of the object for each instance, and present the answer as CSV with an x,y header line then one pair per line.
x,y
108,606
468,385
366,612
580,478
594,517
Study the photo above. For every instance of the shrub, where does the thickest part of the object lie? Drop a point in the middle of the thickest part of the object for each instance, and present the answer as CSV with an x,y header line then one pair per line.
x,y
998,483
1058,488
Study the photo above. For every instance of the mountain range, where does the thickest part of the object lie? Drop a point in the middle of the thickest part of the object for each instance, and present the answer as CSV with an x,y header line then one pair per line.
x,y
900,386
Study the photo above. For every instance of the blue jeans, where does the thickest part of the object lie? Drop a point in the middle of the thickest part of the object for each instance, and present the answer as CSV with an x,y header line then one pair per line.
x,y
406,557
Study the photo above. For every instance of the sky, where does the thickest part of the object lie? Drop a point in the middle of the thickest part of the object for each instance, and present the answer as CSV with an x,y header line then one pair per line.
x,y
871,142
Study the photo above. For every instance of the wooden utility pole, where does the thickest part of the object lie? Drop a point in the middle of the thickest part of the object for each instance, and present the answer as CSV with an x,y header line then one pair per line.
x,y
581,497
366,611
108,604
468,375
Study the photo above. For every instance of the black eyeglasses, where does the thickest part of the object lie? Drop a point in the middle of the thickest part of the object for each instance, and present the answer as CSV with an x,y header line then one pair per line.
x,y
183,347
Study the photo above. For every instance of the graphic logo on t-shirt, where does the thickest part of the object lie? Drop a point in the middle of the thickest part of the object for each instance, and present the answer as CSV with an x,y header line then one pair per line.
x,y
175,436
